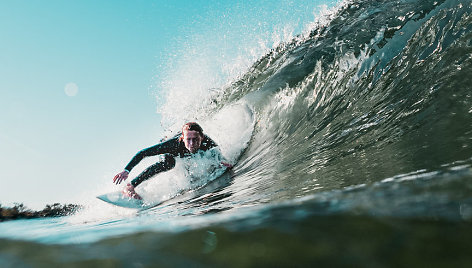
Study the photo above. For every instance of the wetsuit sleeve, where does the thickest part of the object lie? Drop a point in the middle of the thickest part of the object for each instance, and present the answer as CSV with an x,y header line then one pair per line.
x,y
208,143
218,155
161,148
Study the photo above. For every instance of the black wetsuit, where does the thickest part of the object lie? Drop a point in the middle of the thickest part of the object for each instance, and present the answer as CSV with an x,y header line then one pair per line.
x,y
170,149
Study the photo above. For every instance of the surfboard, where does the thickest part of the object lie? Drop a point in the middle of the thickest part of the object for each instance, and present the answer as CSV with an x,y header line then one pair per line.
x,y
118,199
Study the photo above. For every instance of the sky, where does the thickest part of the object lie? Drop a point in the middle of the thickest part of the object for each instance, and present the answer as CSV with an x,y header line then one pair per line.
x,y
82,82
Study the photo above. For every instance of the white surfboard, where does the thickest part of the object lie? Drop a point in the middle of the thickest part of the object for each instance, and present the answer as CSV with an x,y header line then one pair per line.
x,y
118,199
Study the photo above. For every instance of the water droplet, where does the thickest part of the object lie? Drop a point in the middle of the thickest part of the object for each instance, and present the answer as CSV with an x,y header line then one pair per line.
x,y
71,89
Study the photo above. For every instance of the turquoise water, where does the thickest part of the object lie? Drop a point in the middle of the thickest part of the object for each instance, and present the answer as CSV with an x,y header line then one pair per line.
x,y
359,156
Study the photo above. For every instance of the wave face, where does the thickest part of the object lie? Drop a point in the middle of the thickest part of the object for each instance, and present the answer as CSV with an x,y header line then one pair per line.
x,y
383,89
362,126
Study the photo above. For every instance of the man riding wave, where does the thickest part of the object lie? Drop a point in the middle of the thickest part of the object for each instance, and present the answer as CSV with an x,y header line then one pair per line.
x,y
189,142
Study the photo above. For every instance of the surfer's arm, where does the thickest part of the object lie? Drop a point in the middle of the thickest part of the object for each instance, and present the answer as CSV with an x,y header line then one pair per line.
x,y
161,148
210,144
121,177
219,156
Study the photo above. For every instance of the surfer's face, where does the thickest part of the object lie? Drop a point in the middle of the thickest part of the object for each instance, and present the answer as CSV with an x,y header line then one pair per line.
x,y
192,140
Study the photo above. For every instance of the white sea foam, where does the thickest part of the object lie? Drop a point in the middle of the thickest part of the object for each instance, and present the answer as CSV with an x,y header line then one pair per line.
x,y
231,128
201,67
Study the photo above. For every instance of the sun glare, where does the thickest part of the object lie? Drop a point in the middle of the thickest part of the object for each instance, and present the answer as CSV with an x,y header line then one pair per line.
x,y
71,89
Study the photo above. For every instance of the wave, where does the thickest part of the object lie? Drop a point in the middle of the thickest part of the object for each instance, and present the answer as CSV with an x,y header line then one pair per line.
x,y
382,89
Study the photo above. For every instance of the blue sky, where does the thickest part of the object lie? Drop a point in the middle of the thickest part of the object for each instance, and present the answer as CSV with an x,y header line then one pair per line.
x,y
57,144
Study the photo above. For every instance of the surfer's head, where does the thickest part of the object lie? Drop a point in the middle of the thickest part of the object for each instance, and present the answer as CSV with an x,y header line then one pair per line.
x,y
192,136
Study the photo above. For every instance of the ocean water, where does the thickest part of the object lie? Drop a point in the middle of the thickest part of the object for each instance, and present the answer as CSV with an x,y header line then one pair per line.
x,y
353,149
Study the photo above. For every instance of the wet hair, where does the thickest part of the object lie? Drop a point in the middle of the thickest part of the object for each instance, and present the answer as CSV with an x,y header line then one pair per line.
x,y
192,126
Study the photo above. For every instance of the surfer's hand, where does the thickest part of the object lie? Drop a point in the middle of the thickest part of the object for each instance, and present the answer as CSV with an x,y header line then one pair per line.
x,y
120,177
228,165
128,191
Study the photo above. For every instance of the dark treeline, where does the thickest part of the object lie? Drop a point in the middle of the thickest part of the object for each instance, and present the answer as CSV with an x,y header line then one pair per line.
x,y
19,211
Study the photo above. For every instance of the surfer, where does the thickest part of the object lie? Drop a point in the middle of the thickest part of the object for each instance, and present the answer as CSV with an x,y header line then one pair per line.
x,y
190,141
